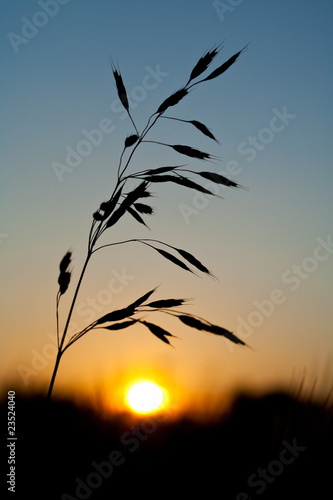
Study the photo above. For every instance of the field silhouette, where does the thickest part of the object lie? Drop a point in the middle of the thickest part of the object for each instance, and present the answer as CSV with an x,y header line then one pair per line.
x,y
273,446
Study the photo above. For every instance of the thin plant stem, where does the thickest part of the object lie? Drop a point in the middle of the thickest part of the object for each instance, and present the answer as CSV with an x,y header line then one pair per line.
x,y
57,316
129,114
144,133
60,351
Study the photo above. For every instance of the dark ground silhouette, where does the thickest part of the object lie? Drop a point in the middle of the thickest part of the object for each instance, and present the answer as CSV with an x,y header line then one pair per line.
x,y
266,447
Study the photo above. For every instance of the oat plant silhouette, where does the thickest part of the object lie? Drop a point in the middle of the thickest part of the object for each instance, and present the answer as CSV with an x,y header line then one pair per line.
x,y
136,203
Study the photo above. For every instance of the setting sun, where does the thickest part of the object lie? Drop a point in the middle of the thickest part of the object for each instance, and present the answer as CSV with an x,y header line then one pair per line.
x,y
145,397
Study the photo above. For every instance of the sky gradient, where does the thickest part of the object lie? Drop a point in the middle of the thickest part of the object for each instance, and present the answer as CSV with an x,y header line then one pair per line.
x,y
270,246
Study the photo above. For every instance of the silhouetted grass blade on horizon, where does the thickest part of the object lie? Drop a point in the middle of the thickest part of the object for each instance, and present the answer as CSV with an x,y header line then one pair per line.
x,y
122,201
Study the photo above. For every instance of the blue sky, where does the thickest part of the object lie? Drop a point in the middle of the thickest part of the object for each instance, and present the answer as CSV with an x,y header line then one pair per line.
x,y
57,83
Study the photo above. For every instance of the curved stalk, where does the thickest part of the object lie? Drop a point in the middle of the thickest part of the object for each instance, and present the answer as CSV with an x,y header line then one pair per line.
x,y
60,350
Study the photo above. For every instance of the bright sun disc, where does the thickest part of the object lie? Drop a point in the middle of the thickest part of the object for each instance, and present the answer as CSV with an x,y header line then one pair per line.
x,y
145,397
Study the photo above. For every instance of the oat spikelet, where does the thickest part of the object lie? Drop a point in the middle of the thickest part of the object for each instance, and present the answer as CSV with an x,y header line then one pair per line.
x,y
219,179
159,332
121,326
143,208
136,216
204,62
131,140
173,259
120,86
166,303
162,170
182,181
108,206
205,130
65,274
209,327
131,198
221,69
172,100
143,298
117,315
192,152
194,261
